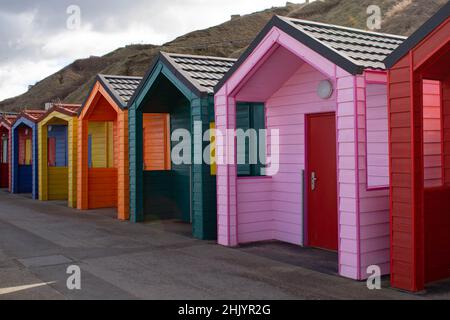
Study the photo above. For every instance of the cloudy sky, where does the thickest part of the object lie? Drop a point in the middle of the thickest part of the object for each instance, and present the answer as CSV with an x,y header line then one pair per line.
x,y
37,38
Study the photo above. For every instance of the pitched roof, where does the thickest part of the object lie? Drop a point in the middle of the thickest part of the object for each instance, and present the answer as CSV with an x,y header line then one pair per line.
x,y
68,109
363,48
417,37
120,88
8,119
351,49
32,115
201,71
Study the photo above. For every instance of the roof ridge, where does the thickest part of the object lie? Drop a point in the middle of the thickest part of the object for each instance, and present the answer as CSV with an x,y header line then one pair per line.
x,y
334,26
120,95
183,55
119,76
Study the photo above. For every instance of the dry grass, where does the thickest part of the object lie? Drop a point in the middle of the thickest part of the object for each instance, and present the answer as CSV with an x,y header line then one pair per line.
x,y
229,39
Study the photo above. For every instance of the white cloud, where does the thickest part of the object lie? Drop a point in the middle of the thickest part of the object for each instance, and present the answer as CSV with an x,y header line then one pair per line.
x,y
14,79
35,51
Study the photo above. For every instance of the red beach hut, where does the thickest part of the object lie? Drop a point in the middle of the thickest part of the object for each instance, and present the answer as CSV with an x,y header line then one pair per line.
x,y
5,149
419,97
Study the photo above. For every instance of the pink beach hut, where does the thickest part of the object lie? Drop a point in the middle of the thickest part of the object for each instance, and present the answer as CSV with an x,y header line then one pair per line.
x,y
322,90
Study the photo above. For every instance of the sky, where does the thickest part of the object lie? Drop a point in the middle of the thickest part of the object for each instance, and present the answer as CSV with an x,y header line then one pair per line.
x,y
38,38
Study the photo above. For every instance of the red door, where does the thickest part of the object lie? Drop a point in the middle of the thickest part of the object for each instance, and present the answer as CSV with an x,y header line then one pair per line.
x,y
322,216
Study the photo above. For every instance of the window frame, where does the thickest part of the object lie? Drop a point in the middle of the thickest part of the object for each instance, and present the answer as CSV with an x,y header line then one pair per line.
x,y
366,144
254,169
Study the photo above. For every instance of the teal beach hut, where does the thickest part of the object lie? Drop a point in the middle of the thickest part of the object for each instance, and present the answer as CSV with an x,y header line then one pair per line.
x,y
175,95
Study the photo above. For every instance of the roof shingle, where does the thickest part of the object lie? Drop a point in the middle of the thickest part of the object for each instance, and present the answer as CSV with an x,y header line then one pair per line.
x,y
121,88
202,71
68,109
33,115
363,48
8,119
351,49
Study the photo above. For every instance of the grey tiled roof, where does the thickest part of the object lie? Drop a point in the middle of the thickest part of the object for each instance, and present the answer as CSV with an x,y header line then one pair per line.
x,y
202,71
121,87
363,48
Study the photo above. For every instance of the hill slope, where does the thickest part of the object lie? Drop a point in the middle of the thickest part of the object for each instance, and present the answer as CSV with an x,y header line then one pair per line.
x,y
229,39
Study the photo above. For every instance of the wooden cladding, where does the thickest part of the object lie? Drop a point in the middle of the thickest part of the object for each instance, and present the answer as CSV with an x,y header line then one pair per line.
x,y
156,146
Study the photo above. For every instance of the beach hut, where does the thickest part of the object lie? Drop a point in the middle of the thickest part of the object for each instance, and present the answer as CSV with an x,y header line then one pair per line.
x,y
5,149
174,99
320,91
419,100
102,173
24,157
57,150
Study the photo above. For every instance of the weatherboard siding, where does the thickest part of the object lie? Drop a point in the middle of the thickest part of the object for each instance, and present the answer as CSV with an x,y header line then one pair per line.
x,y
285,111
446,127
58,183
199,193
363,214
24,177
255,215
106,184
156,137
10,157
376,125
347,175
402,215
225,115
373,203
123,168
102,142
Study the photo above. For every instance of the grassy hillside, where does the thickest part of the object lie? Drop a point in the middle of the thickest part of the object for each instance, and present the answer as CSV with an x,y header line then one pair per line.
x,y
229,39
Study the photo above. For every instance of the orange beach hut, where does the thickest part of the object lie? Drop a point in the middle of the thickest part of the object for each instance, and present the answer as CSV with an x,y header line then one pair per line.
x,y
102,173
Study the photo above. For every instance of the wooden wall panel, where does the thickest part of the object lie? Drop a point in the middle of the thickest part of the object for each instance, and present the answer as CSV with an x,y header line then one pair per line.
x,y
102,186
156,147
58,183
401,162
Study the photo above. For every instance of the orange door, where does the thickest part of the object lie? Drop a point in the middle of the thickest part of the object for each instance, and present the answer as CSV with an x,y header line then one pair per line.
x,y
156,146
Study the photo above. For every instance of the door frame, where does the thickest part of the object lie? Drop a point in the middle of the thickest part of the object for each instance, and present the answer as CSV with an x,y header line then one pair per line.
x,y
305,177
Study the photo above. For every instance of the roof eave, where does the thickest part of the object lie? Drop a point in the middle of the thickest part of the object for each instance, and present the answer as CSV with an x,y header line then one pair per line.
x,y
185,78
83,105
112,93
300,36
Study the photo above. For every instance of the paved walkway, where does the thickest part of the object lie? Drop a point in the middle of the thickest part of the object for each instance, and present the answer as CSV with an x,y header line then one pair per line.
x,y
121,260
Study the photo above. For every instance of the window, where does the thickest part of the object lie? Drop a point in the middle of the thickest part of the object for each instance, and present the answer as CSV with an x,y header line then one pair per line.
x,y
251,143
57,148
4,150
377,144
51,152
432,134
101,144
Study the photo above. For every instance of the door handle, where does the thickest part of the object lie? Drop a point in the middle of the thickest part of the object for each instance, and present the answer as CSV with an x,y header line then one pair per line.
x,y
313,181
